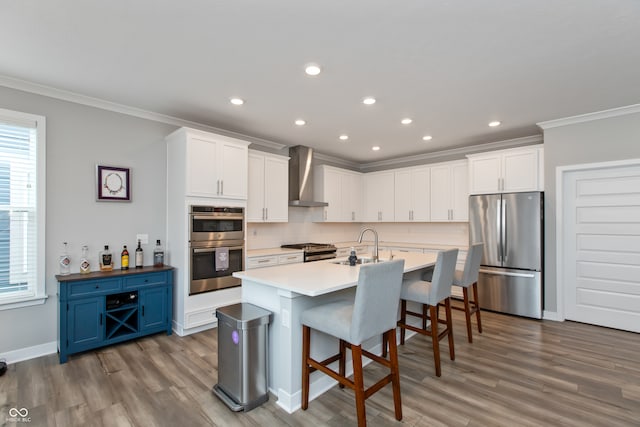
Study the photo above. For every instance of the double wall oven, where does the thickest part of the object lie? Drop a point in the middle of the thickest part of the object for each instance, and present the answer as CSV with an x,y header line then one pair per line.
x,y
216,247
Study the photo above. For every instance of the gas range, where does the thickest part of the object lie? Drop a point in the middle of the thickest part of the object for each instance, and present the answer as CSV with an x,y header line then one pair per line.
x,y
315,251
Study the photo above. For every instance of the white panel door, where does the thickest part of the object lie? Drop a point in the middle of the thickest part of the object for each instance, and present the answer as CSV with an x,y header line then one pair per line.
x,y
601,246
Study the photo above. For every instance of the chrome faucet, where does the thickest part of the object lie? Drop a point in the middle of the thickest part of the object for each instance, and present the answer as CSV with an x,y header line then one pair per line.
x,y
375,248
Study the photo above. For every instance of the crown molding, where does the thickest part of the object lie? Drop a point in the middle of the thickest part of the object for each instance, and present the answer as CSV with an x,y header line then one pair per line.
x,y
336,160
460,152
77,98
606,114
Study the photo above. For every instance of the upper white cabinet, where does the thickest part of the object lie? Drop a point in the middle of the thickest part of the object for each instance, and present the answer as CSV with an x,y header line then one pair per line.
x,y
268,188
507,171
342,190
379,191
212,165
449,192
412,194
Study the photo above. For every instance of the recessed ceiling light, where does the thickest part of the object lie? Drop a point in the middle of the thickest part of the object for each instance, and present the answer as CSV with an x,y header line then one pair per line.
x,y
300,122
343,137
312,69
375,148
369,100
237,101
494,123
406,121
427,138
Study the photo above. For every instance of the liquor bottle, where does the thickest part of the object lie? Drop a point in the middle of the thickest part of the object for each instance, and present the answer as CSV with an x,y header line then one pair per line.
x,y
139,256
65,262
85,265
124,259
158,255
106,259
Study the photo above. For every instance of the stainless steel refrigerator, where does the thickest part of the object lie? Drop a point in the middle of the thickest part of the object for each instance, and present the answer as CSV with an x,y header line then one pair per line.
x,y
511,225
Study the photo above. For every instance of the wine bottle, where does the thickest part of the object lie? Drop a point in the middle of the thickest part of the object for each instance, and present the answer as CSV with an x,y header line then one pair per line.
x,y
139,256
65,261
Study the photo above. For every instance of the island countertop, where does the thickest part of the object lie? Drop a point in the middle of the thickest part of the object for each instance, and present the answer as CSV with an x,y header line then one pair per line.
x,y
323,277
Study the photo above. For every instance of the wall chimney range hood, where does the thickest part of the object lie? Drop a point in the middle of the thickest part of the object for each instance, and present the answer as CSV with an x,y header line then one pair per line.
x,y
301,177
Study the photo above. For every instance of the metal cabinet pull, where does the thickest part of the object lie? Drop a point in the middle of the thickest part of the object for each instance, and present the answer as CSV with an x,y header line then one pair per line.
x,y
266,213
221,187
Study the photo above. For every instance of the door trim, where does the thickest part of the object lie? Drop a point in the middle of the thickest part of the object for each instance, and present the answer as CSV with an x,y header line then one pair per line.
x,y
561,173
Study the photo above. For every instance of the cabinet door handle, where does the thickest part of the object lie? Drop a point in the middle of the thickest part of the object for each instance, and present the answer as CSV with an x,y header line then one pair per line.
x,y
221,187
143,310
325,214
266,213
218,187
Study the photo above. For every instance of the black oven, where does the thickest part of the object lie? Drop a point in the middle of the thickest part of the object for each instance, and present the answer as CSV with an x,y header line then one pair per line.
x,y
216,247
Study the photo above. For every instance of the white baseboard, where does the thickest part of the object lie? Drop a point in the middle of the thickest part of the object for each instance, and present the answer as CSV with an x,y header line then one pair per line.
x,y
180,331
551,315
27,353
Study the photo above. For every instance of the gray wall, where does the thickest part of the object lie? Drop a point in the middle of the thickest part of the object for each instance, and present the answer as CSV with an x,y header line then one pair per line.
x,y
78,138
596,141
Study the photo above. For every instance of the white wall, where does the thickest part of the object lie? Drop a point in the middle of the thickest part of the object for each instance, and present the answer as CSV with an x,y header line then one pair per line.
x,y
607,139
78,138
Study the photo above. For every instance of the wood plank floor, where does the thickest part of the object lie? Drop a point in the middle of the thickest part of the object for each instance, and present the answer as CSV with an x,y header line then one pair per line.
x,y
519,372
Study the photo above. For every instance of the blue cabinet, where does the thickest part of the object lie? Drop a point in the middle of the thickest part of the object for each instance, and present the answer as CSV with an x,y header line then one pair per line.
x,y
104,308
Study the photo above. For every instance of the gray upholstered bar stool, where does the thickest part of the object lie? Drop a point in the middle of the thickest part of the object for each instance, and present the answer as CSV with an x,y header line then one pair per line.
x,y
468,278
373,312
430,294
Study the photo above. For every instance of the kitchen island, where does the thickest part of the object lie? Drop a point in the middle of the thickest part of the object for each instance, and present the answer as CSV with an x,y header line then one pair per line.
x,y
288,290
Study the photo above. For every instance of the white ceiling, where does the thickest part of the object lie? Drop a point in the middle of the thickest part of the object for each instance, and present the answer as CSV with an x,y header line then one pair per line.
x,y
452,66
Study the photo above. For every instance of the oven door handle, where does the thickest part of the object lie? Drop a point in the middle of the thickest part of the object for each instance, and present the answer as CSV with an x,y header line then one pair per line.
x,y
206,250
219,216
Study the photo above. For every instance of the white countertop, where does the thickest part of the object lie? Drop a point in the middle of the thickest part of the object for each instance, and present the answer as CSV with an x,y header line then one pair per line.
x,y
322,277
384,244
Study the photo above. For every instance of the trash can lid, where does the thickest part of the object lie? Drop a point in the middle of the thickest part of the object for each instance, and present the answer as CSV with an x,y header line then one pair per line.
x,y
244,315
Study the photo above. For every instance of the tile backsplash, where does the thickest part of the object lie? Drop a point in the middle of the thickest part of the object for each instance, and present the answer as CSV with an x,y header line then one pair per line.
x,y
301,229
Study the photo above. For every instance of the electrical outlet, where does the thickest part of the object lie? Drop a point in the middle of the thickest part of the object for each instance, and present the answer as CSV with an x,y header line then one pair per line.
x,y
144,238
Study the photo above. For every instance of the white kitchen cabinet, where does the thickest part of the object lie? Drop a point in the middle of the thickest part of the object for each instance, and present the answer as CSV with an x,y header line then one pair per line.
x,y
411,194
346,251
268,199
342,190
449,192
275,259
379,197
506,171
213,166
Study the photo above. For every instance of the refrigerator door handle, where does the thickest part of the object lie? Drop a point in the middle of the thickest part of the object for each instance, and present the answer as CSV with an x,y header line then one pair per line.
x,y
507,273
503,215
499,230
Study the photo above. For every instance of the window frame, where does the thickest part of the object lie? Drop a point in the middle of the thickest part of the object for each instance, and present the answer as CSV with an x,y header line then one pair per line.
x,y
36,295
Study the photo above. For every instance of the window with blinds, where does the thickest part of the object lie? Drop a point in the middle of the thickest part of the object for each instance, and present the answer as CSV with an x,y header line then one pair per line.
x,y
21,202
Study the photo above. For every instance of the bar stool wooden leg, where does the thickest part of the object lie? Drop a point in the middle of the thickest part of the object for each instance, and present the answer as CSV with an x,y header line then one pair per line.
x,y
475,297
403,319
467,313
425,315
358,380
306,345
395,372
447,306
433,310
343,359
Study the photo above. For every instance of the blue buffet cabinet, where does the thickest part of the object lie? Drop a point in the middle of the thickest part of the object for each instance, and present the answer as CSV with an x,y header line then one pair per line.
x,y
103,308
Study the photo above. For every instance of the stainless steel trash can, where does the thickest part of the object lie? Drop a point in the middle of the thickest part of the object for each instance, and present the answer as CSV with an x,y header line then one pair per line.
x,y
242,356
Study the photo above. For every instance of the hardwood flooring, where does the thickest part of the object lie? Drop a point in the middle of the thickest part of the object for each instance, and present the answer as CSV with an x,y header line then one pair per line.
x,y
518,372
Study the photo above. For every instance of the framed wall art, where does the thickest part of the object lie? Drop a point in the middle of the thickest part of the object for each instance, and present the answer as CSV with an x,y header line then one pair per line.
x,y
114,184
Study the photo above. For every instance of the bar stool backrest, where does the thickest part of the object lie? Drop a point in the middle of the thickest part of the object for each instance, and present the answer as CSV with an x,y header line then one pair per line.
x,y
472,264
442,278
375,308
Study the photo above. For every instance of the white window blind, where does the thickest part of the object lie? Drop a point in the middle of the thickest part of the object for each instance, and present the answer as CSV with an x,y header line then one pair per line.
x,y
20,222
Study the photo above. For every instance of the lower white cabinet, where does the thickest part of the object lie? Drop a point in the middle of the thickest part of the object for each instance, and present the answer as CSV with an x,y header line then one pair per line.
x,y
268,199
275,259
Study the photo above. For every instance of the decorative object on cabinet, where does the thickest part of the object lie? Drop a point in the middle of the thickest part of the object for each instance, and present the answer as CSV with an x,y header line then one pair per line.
x,y
103,308
113,184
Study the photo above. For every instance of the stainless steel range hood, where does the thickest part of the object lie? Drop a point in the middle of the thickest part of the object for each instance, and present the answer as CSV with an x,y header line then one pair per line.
x,y
301,177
